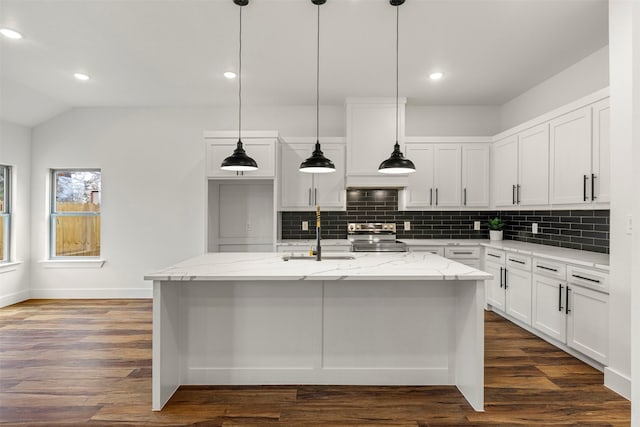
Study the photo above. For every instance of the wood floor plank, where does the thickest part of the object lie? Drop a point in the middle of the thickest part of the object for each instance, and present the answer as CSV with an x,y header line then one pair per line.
x,y
88,362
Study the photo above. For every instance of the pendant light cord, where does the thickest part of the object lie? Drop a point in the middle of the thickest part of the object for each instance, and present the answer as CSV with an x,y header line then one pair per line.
x,y
397,67
318,80
240,77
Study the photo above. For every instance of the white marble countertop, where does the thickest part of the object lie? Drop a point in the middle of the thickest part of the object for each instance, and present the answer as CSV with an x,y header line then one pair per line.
x,y
571,256
365,266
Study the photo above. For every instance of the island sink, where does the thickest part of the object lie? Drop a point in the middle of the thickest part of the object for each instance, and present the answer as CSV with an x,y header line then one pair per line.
x,y
313,258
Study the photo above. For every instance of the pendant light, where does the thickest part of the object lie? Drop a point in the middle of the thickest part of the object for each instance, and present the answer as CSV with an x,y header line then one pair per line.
x,y
239,161
317,163
396,163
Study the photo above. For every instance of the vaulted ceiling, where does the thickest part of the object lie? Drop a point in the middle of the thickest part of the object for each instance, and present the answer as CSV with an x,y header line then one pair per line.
x,y
174,52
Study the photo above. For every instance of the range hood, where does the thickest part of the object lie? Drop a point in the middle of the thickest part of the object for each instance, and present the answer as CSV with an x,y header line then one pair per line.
x,y
371,134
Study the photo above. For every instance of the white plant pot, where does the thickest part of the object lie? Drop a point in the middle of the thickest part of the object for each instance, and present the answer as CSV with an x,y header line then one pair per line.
x,y
495,234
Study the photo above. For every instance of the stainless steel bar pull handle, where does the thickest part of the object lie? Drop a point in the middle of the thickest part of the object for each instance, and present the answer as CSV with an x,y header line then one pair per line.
x,y
584,188
436,196
465,197
593,186
431,197
315,196
518,194
560,297
513,194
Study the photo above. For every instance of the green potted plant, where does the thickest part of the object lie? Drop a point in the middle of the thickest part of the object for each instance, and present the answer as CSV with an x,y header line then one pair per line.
x,y
495,228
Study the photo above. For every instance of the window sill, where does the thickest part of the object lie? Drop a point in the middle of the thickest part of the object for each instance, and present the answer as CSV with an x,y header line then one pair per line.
x,y
73,263
6,267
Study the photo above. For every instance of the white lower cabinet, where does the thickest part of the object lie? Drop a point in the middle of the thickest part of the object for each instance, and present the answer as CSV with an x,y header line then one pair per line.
x,y
571,314
510,289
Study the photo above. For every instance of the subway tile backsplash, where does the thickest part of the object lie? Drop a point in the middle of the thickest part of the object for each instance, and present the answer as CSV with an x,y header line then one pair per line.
x,y
576,229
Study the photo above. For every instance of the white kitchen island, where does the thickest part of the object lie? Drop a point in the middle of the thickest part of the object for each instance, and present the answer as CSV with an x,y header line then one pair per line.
x,y
378,319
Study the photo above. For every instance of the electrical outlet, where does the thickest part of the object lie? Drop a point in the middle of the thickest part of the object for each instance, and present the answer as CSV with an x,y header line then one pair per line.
x,y
534,228
249,226
407,225
476,225
305,225
629,224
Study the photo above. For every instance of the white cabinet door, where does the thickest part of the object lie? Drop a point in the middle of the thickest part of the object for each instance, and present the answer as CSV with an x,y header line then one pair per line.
x,y
549,307
600,185
505,171
570,157
262,150
518,303
494,290
588,323
419,192
533,170
296,188
475,175
447,175
330,187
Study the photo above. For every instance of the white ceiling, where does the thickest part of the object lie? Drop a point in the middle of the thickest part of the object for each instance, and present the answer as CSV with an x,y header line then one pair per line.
x,y
173,52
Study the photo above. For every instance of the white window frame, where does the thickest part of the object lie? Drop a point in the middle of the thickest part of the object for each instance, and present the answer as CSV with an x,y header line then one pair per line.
x,y
6,214
53,215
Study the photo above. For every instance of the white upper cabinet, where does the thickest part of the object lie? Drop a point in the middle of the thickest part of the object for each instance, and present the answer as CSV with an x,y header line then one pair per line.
x,y
419,192
262,150
447,175
505,171
533,166
475,175
521,168
303,191
436,182
601,168
570,158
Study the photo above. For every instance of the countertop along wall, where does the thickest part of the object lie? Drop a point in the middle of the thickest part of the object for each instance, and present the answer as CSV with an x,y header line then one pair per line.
x,y
15,151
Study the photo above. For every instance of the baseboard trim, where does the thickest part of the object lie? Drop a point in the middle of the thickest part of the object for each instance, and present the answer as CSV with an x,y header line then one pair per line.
x,y
14,298
617,382
101,293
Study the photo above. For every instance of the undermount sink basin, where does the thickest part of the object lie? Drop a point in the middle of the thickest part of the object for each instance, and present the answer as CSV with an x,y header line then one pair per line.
x,y
313,258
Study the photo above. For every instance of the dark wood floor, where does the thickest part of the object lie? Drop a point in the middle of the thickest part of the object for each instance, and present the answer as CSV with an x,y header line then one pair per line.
x,y
71,362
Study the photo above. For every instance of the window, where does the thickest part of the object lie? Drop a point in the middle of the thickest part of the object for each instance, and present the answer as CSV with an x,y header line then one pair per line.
x,y
5,212
75,213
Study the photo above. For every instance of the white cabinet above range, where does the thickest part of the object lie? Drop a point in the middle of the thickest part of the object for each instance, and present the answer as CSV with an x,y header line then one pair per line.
x,y
303,191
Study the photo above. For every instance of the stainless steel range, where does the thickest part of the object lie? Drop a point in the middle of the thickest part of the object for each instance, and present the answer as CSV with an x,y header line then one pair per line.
x,y
374,237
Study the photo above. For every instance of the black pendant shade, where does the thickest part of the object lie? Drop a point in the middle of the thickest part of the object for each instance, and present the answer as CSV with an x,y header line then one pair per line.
x,y
317,163
396,163
239,161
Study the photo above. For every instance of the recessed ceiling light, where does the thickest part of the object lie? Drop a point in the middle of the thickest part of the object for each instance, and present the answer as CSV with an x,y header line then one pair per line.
x,y
436,76
10,34
81,76
230,75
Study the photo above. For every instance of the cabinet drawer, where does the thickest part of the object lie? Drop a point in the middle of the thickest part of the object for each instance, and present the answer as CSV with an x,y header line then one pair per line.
x,y
550,269
462,253
592,279
519,262
431,249
492,255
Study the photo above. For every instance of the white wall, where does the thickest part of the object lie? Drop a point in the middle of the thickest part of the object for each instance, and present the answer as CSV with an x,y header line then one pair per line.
x,y
452,120
153,186
581,79
618,373
635,254
15,151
